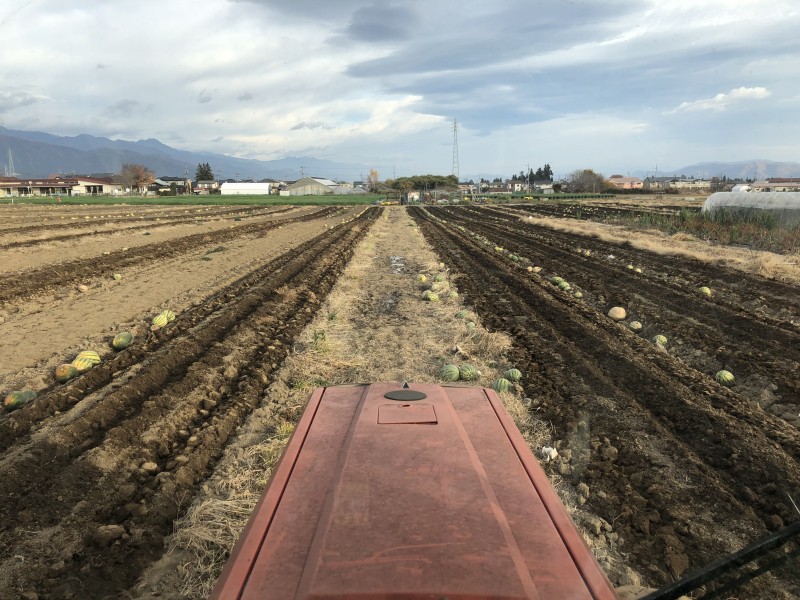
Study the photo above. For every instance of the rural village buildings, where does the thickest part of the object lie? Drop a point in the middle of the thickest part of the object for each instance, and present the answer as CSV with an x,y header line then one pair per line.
x,y
111,186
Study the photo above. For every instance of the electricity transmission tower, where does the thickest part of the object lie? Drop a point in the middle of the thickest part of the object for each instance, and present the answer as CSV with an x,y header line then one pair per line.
x,y
455,149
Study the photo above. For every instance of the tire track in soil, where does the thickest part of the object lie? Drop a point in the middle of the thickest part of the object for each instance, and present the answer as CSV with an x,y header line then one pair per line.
x,y
153,224
673,466
764,347
182,396
775,293
19,286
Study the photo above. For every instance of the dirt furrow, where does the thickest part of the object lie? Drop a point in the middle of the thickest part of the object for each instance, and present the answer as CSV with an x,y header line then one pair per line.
x,y
703,327
145,442
682,480
751,291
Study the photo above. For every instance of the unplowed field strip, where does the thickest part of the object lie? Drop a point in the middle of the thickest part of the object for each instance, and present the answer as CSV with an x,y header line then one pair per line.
x,y
109,458
18,286
722,334
684,470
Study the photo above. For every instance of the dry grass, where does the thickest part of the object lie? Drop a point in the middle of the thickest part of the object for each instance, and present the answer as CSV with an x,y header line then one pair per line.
x,y
780,267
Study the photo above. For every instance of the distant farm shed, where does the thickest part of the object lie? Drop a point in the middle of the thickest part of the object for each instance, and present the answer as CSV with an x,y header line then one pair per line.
x,y
234,188
784,206
317,186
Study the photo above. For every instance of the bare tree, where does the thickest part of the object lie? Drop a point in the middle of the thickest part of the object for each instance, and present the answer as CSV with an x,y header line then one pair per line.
x,y
135,177
585,181
372,180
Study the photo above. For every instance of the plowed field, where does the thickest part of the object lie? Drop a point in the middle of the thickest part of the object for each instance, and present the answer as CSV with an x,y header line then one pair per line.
x,y
669,469
680,467
94,471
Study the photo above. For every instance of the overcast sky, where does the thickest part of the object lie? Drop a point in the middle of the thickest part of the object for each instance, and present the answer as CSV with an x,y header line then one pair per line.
x,y
612,85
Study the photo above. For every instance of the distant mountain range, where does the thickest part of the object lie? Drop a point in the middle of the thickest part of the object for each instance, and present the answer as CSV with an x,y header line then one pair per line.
x,y
37,154
758,169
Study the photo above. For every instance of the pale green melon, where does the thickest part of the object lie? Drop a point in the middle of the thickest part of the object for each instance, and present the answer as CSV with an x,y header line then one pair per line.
x,y
617,313
724,377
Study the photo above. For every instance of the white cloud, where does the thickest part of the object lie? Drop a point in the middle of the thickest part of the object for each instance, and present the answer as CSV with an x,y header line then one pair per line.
x,y
721,101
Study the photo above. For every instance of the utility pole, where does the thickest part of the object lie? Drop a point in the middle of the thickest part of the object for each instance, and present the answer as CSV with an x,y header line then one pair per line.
x,y
455,150
528,177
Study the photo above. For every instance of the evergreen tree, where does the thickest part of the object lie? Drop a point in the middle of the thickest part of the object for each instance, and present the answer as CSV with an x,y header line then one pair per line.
x,y
204,172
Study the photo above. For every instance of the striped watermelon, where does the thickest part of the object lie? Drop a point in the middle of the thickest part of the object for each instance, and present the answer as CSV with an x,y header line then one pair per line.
x,y
82,364
169,314
90,355
433,297
18,399
501,385
724,377
64,373
160,320
513,374
468,373
449,373
661,340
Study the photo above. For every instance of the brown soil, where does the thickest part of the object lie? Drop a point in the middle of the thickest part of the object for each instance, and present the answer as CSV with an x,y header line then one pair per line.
x,y
681,469
667,469
95,471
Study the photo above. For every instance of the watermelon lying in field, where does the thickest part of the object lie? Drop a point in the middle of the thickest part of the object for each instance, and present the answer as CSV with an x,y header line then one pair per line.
x,y
64,373
122,340
90,355
18,399
449,373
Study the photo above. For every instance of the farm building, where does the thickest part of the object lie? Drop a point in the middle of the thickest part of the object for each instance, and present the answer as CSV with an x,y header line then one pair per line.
x,y
626,183
238,188
317,186
73,186
785,206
